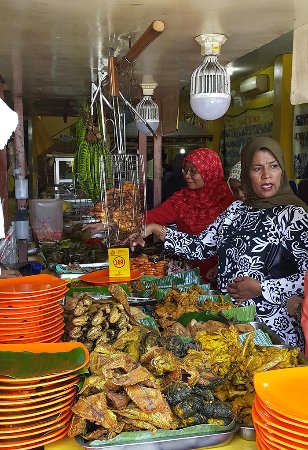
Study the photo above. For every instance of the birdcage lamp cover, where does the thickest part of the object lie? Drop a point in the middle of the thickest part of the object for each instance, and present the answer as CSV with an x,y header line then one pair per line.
x,y
210,95
148,110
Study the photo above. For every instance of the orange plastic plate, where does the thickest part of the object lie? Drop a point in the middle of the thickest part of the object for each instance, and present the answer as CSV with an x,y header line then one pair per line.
x,y
43,408
292,383
27,444
101,277
261,408
279,427
32,327
36,431
32,284
36,424
12,390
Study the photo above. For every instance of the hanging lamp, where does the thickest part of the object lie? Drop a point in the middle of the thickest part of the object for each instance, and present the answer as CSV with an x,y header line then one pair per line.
x,y
210,95
147,109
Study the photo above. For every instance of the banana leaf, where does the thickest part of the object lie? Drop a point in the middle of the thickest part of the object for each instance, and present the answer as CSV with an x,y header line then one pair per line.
x,y
181,278
130,437
202,316
243,314
260,338
160,294
32,365
148,321
101,290
214,298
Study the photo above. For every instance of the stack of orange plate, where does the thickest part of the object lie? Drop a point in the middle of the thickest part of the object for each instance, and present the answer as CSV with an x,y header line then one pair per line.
x,y
280,411
37,410
30,309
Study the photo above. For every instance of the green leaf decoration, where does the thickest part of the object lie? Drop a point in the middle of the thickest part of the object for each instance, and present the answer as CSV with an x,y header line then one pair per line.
x,y
243,314
130,437
101,290
149,322
181,278
33,365
202,316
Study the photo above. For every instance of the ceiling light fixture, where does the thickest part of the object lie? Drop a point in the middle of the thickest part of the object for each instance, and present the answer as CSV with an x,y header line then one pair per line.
x,y
210,83
147,109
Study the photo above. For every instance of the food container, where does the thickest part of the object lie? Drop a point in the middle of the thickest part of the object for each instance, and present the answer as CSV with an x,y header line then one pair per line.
x,y
247,433
46,219
175,442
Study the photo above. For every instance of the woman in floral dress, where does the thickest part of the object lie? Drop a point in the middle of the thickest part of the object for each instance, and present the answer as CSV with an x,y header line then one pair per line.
x,y
245,236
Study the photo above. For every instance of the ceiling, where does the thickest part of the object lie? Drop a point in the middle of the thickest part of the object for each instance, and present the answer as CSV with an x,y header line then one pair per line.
x,y
51,50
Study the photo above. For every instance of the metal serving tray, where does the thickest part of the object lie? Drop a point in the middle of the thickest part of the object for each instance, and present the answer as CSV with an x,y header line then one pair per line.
x,y
276,340
176,443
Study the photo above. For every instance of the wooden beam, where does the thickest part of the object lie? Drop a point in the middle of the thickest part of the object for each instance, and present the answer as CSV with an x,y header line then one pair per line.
x,y
157,167
151,33
20,159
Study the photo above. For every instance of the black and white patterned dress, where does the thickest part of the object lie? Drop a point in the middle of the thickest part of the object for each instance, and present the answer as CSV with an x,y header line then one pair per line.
x,y
241,237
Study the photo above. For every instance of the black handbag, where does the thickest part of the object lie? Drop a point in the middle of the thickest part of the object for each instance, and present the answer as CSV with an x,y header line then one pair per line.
x,y
279,263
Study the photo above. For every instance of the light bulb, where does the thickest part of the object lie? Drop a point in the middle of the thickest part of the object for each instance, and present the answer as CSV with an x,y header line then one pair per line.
x,y
148,110
210,106
141,126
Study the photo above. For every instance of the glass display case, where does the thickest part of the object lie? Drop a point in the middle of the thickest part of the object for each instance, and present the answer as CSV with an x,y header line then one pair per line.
x,y
63,170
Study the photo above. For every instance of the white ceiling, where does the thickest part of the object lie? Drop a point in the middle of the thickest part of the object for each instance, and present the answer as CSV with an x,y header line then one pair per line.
x,y
50,50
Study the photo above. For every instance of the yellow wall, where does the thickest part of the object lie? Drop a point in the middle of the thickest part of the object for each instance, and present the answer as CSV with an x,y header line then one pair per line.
x,y
283,110
56,125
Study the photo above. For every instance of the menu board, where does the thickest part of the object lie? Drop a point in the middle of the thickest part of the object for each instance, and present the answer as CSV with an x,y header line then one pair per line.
x,y
238,130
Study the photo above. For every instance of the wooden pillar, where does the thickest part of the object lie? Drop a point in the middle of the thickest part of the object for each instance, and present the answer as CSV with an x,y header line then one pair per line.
x,y
283,110
157,167
3,178
20,159
142,145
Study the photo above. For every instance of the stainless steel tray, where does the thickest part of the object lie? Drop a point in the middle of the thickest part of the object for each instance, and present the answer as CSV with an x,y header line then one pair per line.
x,y
276,340
176,443
247,433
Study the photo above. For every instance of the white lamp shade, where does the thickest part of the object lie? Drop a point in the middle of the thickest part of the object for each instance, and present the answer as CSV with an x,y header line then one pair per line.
x,y
148,110
141,126
8,121
210,106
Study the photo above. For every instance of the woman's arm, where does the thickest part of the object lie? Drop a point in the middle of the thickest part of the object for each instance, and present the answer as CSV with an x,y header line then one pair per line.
x,y
164,214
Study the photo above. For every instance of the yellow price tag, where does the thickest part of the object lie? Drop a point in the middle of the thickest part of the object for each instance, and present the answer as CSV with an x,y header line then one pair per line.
x,y
119,262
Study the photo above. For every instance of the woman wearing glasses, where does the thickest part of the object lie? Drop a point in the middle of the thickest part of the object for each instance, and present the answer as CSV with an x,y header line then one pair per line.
x,y
198,204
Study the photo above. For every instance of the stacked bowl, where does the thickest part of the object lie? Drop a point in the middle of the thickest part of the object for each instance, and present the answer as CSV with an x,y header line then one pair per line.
x,y
38,385
30,309
280,411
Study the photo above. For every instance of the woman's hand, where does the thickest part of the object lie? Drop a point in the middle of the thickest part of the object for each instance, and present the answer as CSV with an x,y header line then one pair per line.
x,y
244,288
139,238
294,305
9,273
94,228
211,275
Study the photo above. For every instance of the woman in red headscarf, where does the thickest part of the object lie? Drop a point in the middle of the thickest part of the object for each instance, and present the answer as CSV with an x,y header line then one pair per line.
x,y
198,204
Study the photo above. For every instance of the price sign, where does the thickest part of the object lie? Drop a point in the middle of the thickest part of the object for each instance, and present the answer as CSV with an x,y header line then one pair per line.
x,y
119,262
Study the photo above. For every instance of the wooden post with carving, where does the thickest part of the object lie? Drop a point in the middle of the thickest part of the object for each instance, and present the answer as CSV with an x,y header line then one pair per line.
x,y
20,158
